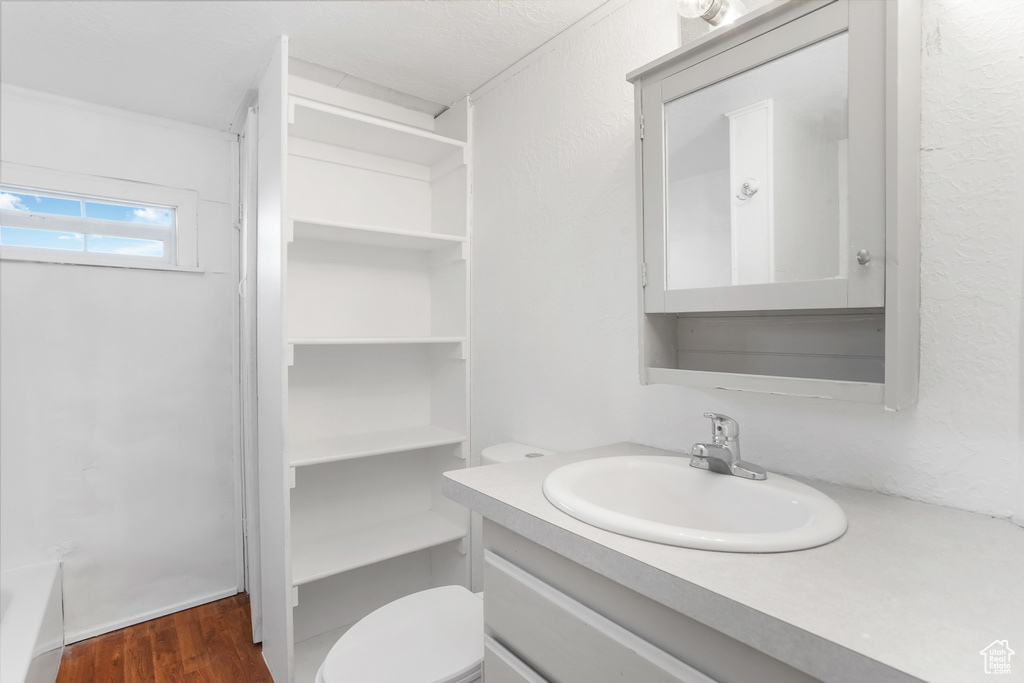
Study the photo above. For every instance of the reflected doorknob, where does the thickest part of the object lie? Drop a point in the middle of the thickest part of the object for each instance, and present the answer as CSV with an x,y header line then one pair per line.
x,y
748,189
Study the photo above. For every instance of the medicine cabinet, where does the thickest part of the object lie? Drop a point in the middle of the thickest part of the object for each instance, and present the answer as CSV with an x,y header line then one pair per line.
x,y
778,204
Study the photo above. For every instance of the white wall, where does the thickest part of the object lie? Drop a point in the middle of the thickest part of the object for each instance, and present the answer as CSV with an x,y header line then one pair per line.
x,y
117,385
555,299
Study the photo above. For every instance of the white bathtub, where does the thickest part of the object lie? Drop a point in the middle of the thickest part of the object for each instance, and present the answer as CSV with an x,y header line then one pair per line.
x,y
31,624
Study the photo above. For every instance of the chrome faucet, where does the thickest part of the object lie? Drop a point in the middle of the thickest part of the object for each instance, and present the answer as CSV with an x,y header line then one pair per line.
x,y
722,455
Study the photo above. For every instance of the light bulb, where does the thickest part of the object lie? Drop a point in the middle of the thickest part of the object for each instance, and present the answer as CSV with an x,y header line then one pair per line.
x,y
731,11
715,12
694,9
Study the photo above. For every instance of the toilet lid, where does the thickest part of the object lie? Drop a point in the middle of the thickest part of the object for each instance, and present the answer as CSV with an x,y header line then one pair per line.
x,y
433,636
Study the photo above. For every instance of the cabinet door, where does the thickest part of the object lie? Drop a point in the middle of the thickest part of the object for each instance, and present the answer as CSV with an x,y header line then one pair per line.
x,y
501,666
764,171
564,641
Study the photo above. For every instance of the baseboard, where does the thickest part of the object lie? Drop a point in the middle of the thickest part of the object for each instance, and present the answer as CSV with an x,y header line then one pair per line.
x,y
70,638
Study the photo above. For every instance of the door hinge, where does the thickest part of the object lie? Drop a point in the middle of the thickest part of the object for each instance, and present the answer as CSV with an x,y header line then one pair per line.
x,y
641,126
643,274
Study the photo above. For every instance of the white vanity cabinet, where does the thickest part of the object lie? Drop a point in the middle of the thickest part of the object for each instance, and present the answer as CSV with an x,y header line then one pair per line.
x,y
567,602
778,204
551,620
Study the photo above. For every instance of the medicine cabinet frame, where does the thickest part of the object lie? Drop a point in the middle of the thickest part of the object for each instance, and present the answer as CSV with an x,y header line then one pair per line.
x,y
852,338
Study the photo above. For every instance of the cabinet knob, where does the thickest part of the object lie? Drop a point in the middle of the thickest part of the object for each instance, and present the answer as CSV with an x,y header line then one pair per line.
x,y
863,256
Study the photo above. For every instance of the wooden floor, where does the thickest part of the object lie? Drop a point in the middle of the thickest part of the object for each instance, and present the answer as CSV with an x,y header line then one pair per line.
x,y
211,644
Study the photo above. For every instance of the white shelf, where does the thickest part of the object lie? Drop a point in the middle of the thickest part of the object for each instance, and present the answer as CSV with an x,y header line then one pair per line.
x,y
318,558
367,341
332,125
859,392
374,443
349,233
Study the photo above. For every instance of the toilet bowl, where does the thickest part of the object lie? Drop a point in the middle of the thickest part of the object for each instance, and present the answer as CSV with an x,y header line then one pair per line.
x,y
434,636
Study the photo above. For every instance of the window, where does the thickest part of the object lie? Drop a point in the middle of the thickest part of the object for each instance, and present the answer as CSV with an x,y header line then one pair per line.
x,y
32,219
95,221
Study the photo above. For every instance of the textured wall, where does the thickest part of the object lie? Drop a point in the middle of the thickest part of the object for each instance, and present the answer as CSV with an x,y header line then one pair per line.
x,y
116,384
554,300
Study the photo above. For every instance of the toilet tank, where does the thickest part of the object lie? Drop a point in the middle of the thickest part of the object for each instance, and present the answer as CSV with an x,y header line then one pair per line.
x,y
510,452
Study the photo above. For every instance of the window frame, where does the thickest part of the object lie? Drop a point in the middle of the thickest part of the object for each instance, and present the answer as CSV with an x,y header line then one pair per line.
x,y
180,242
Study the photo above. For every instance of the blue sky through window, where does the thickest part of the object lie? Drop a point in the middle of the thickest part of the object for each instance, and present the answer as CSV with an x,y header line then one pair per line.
x,y
44,239
62,206
55,206
13,199
128,214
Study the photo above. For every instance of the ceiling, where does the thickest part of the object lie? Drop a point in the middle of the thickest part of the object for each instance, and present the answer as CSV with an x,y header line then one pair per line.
x,y
195,60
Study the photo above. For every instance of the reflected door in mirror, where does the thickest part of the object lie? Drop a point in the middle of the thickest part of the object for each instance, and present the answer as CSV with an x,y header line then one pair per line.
x,y
756,174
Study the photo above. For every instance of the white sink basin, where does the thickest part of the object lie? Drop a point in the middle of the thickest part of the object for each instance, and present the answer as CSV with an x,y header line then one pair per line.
x,y
663,499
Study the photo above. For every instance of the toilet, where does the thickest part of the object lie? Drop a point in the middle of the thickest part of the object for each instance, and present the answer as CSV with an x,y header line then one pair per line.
x,y
434,636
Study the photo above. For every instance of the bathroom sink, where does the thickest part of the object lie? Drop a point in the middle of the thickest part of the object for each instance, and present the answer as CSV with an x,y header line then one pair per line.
x,y
663,499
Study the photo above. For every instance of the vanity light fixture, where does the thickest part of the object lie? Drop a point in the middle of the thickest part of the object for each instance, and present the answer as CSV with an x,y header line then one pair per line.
x,y
715,12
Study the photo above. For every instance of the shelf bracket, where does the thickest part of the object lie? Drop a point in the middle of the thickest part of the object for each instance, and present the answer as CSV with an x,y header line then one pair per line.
x,y
289,231
289,354
295,596
463,545
291,477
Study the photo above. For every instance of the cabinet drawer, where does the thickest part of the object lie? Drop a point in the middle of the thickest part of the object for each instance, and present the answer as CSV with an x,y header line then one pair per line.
x,y
565,641
501,666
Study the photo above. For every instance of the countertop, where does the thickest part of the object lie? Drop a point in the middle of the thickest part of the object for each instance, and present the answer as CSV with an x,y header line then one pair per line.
x,y
911,592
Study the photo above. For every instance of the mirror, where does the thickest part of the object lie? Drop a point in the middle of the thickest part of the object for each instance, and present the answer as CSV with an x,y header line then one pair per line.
x,y
756,174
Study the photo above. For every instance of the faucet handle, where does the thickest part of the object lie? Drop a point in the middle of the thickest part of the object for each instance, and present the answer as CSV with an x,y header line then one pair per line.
x,y
723,426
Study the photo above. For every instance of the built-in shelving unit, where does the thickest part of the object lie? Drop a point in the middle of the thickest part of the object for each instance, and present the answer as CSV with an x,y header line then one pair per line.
x,y
372,326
